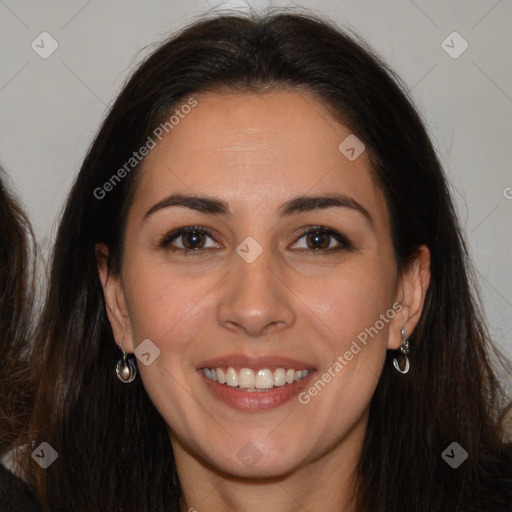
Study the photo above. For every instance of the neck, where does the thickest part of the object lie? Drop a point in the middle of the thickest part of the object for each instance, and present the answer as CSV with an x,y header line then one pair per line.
x,y
325,483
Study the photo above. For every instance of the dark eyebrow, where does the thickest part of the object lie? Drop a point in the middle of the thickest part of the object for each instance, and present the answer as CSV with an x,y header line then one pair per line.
x,y
201,204
299,204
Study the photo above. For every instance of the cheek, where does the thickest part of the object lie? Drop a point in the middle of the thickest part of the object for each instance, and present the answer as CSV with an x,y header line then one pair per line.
x,y
164,307
352,299
160,302
356,309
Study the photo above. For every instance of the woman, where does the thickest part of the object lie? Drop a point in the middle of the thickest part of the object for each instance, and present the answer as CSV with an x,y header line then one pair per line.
x,y
260,297
16,296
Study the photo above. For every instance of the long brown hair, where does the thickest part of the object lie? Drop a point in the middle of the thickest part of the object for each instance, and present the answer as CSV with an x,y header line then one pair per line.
x,y
114,449
17,287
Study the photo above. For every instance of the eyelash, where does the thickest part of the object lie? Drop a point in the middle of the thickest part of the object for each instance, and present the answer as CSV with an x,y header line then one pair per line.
x,y
165,242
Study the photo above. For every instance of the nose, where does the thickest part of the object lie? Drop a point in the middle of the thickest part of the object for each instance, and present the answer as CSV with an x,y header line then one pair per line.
x,y
255,298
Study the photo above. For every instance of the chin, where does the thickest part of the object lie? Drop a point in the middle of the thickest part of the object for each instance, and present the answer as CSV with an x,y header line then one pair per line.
x,y
256,459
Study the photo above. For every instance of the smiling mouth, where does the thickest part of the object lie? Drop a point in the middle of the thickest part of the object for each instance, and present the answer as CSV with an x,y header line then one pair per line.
x,y
247,379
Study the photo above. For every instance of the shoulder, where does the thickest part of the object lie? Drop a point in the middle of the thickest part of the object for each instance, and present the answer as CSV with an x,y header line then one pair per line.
x,y
15,494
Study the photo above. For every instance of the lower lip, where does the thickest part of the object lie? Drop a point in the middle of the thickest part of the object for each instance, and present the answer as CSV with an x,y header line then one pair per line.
x,y
255,400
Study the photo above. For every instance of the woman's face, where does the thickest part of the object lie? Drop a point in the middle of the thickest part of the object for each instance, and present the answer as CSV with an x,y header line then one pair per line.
x,y
255,298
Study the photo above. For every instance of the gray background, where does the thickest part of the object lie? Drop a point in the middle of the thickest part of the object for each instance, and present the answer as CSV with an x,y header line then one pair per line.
x,y
51,108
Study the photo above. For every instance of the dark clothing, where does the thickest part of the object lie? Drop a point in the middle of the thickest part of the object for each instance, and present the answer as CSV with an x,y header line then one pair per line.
x,y
15,494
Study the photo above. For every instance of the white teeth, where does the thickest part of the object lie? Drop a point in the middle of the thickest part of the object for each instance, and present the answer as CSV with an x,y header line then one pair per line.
x,y
221,377
279,377
264,379
231,378
250,380
246,378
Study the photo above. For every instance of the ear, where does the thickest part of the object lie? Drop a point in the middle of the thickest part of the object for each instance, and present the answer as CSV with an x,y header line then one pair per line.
x,y
114,299
412,290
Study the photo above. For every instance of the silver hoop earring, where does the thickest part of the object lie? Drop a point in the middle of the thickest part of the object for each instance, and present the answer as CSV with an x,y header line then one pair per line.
x,y
405,348
126,369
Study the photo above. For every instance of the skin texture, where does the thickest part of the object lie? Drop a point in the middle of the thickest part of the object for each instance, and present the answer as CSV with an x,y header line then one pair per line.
x,y
256,151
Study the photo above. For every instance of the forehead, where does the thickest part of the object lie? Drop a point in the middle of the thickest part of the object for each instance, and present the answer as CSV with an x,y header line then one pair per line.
x,y
257,149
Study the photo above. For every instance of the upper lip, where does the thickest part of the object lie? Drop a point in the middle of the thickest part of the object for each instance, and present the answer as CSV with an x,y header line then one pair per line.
x,y
254,362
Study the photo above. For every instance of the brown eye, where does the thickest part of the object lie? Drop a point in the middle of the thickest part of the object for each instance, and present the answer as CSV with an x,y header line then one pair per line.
x,y
193,240
319,240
